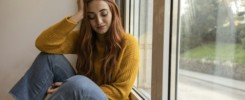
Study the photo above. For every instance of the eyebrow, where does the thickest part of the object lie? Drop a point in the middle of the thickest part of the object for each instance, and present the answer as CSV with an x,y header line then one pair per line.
x,y
99,11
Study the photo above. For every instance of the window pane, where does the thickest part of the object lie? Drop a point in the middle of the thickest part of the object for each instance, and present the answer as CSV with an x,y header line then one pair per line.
x,y
141,27
212,50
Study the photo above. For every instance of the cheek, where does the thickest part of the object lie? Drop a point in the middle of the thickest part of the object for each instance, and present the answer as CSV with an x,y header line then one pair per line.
x,y
109,19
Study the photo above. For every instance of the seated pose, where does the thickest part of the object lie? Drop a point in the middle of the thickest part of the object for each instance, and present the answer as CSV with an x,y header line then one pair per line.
x,y
107,62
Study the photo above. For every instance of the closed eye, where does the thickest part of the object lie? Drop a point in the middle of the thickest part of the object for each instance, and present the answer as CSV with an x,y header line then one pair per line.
x,y
91,16
104,12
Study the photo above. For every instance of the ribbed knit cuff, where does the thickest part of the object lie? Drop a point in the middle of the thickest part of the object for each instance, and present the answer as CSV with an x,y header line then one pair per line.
x,y
64,26
68,20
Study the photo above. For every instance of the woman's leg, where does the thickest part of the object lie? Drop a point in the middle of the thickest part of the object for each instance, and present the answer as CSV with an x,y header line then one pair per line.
x,y
78,88
45,70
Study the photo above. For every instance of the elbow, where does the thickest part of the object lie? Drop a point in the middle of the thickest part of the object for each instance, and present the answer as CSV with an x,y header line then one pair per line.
x,y
39,44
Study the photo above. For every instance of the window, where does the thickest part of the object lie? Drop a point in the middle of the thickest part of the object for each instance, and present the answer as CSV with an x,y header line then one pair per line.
x,y
140,25
211,50
197,49
145,19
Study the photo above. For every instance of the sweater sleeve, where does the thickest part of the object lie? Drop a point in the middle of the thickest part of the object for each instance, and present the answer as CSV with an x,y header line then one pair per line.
x,y
59,38
125,78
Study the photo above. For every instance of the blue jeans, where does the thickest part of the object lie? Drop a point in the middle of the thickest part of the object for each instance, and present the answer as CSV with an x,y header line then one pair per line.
x,y
46,70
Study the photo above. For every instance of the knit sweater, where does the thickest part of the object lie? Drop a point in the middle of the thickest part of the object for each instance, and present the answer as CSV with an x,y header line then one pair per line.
x,y
61,39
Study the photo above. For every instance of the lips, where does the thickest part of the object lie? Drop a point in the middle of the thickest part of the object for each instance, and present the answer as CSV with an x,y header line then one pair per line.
x,y
101,27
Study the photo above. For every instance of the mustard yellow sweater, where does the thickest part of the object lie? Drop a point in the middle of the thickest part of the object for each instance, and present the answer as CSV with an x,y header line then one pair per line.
x,y
61,39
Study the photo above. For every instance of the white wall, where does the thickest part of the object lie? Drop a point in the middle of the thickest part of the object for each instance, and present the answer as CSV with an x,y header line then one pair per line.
x,y
21,21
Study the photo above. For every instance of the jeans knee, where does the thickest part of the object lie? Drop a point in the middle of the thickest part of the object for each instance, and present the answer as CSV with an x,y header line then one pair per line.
x,y
82,83
52,57
81,87
79,81
56,64
52,60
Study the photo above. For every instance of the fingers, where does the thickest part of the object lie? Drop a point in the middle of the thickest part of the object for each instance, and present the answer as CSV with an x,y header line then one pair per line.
x,y
50,90
80,4
54,87
57,84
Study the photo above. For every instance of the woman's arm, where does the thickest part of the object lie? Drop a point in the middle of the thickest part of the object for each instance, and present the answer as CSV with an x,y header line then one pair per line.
x,y
59,38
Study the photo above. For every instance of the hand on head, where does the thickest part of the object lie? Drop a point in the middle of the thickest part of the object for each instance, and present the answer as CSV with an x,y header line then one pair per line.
x,y
80,5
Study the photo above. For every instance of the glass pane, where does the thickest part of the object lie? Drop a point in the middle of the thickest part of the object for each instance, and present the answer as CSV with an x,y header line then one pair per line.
x,y
141,27
212,50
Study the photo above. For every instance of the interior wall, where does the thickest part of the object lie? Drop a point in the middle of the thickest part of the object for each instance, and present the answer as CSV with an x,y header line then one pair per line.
x,y
21,21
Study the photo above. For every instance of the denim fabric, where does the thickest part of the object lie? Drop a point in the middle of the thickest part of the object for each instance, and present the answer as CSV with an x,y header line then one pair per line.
x,y
50,68
78,88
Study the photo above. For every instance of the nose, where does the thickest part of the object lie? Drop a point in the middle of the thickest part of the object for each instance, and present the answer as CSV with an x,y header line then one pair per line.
x,y
99,20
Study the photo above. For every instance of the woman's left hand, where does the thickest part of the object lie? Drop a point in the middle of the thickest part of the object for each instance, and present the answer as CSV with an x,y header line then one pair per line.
x,y
54,87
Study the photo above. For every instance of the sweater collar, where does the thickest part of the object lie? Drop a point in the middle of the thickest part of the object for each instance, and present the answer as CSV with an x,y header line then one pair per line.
x,y
101,37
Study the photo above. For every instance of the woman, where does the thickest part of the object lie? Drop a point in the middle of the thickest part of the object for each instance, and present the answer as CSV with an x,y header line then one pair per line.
x,y
107,61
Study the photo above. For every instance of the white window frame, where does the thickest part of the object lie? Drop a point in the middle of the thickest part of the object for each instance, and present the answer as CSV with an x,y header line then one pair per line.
x,y
174,50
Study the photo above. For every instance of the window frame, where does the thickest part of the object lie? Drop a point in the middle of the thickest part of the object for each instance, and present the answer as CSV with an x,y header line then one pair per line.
x,y
161,49
174,49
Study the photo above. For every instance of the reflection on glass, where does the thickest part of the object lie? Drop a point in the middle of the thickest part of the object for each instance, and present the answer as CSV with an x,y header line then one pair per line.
x,y
212,50
141,27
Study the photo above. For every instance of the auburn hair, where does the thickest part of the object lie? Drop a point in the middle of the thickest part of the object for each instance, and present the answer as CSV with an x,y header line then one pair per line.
x,y
87,47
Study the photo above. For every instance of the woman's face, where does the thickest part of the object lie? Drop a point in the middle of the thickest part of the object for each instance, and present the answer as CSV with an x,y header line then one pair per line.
x,y
99,15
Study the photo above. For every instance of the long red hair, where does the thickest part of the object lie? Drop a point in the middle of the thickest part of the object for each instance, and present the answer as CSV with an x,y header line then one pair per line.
x,y
87,47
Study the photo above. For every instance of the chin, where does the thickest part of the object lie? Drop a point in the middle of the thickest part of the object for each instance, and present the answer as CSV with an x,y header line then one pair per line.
x,y
101,32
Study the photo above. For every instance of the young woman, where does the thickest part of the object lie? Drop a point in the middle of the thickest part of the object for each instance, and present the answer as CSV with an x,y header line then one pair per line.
x,y
107,61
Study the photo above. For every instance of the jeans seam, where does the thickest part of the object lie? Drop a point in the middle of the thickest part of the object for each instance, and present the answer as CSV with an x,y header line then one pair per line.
x,y
45,82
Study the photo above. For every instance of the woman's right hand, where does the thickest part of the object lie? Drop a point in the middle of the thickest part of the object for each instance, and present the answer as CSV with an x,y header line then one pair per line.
x,y
80,5
79,14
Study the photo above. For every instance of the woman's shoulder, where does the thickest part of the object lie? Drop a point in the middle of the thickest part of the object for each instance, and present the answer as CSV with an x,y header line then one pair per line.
x,y
129,39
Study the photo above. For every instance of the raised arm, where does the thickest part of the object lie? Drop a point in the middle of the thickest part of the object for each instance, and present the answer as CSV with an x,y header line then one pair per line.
x,y
60,38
